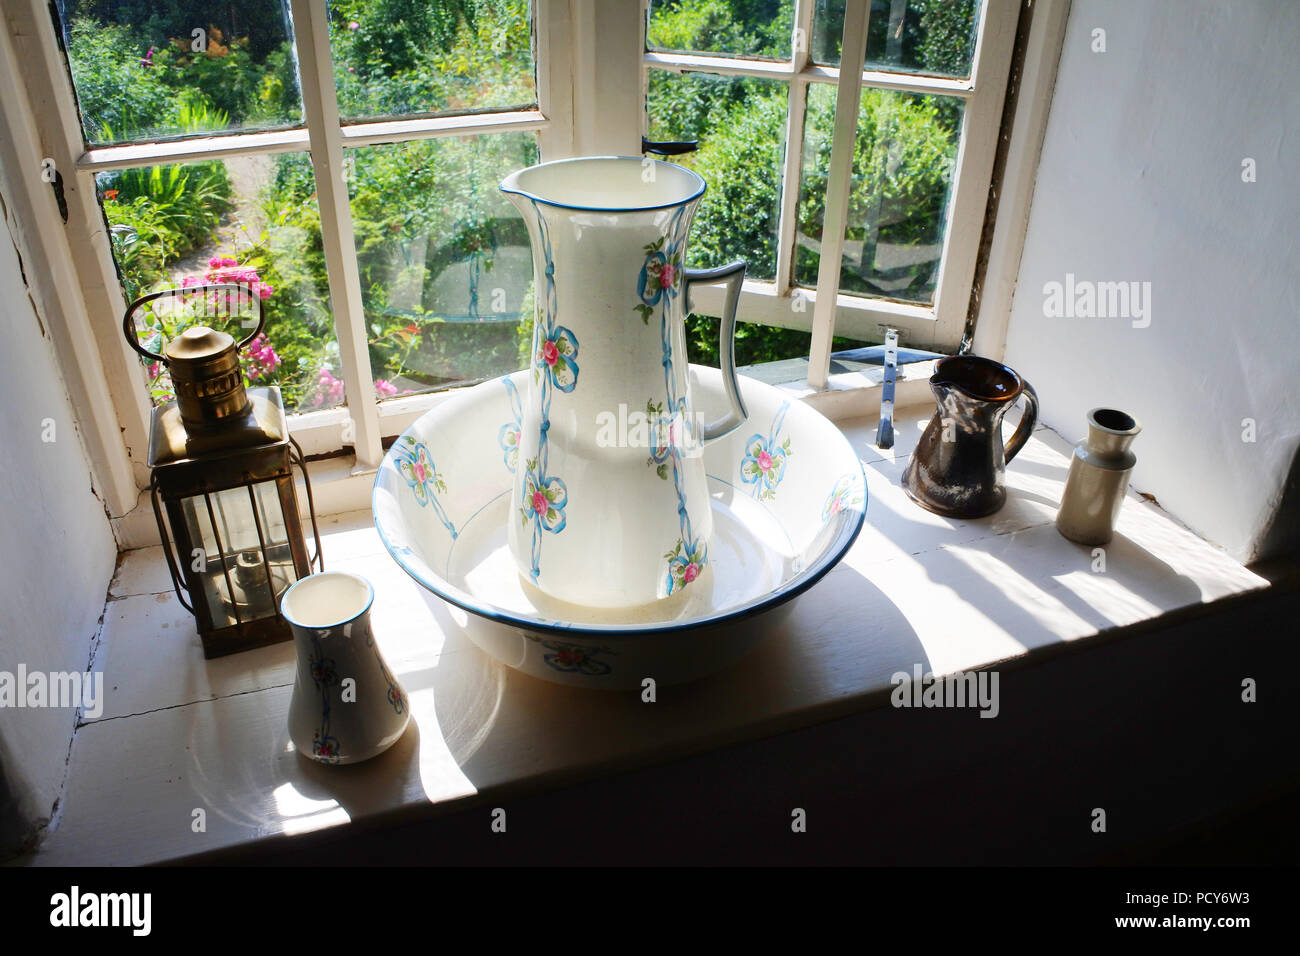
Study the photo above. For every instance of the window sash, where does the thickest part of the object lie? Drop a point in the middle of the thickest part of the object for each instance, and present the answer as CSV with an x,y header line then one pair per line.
x,y
824,310
579,48
362,421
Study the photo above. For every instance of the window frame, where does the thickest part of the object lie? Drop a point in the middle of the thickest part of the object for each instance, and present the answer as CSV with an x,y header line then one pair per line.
x,y
592,69
362,422
824,310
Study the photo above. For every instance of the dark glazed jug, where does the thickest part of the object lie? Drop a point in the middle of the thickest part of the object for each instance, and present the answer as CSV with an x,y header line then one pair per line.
x,y
958,466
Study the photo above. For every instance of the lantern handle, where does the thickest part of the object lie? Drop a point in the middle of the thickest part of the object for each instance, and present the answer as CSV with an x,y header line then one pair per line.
x,y
128,319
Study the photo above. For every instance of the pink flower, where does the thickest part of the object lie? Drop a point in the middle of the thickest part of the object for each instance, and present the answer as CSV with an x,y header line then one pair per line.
x,y
420,473
353,25
764,461
384,388
329,390
219,262
666,275
540,503
550,354
835,505
691,573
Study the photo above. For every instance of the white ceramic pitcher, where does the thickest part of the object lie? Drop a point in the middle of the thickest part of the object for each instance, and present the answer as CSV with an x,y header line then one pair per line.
x,y
610,505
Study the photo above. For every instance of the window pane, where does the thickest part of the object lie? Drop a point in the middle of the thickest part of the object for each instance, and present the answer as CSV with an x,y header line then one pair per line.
x,y
935,37
400,57
446,268
251,220
753,28
903,163
149,70
740,123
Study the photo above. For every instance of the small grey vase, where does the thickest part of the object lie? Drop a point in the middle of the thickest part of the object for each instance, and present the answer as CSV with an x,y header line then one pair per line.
x,y
1099,473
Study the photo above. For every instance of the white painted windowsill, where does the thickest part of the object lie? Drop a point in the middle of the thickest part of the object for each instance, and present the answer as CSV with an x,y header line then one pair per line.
x,y
179,733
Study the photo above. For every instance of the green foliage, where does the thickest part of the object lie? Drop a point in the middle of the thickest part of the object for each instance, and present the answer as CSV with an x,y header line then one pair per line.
x,y
741,162
395,57
113,90
902,160
748,27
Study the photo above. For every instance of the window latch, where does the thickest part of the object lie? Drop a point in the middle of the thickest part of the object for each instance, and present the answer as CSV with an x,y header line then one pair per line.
x,y
669,148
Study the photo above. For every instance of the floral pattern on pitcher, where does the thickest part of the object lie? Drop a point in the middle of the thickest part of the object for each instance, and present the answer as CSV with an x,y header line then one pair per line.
x,y
508,435
416,467
659,281
765,458
544,499
557,357
555,368
660,276
685,563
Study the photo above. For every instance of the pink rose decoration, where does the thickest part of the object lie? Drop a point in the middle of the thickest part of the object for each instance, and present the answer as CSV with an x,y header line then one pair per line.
x,y
764,461
691,573
666,276
540,503
550,354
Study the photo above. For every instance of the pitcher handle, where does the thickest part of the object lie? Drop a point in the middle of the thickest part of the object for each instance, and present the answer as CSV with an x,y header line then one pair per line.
x,y
1028,418
734,276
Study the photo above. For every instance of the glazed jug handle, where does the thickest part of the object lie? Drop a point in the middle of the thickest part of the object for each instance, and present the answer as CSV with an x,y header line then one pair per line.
x,y
734,276
1028,418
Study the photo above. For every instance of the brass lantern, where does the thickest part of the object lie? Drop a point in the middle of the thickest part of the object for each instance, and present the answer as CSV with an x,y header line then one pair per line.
x,y
222,465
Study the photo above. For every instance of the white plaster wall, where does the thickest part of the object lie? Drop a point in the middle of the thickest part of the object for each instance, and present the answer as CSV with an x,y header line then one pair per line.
x,y
56,548
1141,179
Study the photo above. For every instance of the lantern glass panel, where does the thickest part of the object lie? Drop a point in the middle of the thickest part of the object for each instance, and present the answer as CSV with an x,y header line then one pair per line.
x,y
232,560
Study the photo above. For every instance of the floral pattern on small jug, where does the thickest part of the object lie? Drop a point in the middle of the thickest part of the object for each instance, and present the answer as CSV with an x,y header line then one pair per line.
x,y
765,458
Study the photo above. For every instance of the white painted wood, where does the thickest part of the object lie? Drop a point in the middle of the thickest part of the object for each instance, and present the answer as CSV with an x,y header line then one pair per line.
x,y
1029,125
855,315
720,64
968,200
806,71
50,268
848,94
915,588
792,167
90,297
608,97
553,57
321,110
100,159
432,127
